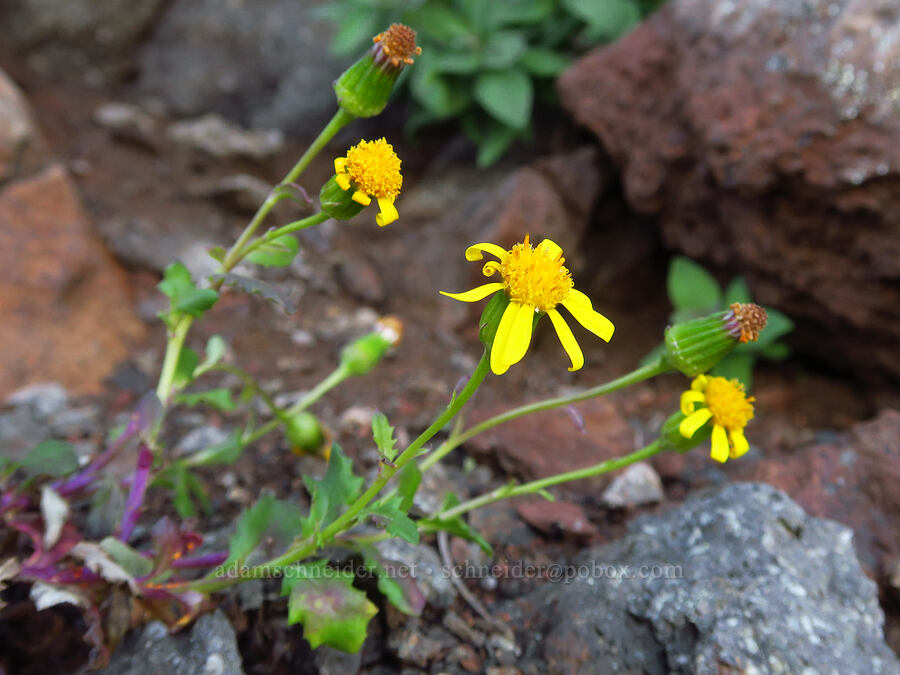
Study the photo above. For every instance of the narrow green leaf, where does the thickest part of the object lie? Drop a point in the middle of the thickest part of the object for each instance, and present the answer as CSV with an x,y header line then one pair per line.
x,y
279,252
217,398
692,288
408,479
383,433
182,500
127,558
506,95
52,458
456,526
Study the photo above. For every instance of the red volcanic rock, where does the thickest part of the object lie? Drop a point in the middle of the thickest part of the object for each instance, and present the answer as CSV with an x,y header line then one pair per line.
x,y
765,135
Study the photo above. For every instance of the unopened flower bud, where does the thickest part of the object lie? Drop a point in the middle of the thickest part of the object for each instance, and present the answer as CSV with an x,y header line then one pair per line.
x,y
671,438
337,202
364,88
363,354
304,432
695,346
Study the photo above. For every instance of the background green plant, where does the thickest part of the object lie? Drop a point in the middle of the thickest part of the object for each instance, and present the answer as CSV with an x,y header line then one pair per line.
x,y
694,292
484,61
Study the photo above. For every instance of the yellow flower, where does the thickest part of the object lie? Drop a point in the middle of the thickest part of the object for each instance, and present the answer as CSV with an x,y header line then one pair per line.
x,y
371,169
725,403
535,281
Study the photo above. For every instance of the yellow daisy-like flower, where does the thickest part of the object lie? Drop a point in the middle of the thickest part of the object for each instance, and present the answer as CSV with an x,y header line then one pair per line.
x,y
534,280
371,169
725,403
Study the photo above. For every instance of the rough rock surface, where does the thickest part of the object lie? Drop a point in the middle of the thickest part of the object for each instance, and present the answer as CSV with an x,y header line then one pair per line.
x,y
754,585
210,648
264,63
66,311
768,126
22,149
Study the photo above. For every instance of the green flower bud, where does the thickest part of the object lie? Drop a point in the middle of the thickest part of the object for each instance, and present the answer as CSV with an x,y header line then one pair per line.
x,y
363,354
304,433
337,202
364,88
695,346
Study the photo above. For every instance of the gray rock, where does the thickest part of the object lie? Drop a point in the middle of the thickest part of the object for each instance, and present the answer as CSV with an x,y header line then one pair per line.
x,y
738,579
638,484
220,138
21,147
240,192
199,439
44,399
126,120
331,661
263,62
210,648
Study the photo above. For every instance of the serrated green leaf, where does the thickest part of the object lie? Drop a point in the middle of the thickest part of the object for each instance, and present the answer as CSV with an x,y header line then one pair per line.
x,y
184,370
398,523
217,398
337,488
402,593
184,295
544,62
51,458
126,557
196,302
217,253
737,291
507,95
279,252
332,612
383,433
264,289
251,527
176,281
456,526
408,479
692,288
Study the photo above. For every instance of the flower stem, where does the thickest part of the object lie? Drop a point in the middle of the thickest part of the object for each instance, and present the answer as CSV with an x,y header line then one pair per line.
x,y
296,226
173,353
339,121
645,372
508,491
308,546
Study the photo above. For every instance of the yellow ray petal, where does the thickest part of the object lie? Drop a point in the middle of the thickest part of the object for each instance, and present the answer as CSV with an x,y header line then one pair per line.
x,y
361,197
343,181
490,267
699,383
550,247
519,336
689,398
579,297
739,443
694,421
719,444
474,251
476,294
568,340
595,322
388,211
498,365
340,163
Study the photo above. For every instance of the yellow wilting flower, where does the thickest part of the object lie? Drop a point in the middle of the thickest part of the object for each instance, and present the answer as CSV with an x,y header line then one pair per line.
x,y
535,281
725,403
371,169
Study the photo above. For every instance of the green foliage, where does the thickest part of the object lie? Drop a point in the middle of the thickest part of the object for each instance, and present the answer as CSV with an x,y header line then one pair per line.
x,y
323,599
337,488
268,517
485,62
279,252
383,433
217,398
184,296
404,596
456,526
188,491
399,524
50,458
694,292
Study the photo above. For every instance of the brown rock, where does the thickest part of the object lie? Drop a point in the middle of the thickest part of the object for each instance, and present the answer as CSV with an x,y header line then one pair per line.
x,y
549,442
557,517
65,306
766,136
22,150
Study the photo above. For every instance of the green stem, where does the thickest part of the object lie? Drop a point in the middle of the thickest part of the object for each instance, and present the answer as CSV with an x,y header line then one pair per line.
x,y
309,546
296,226
508,491
335,378
173,353
339,121
638,375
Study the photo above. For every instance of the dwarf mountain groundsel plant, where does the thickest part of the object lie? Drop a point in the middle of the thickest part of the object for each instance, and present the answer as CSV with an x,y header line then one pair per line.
x,y
159,567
